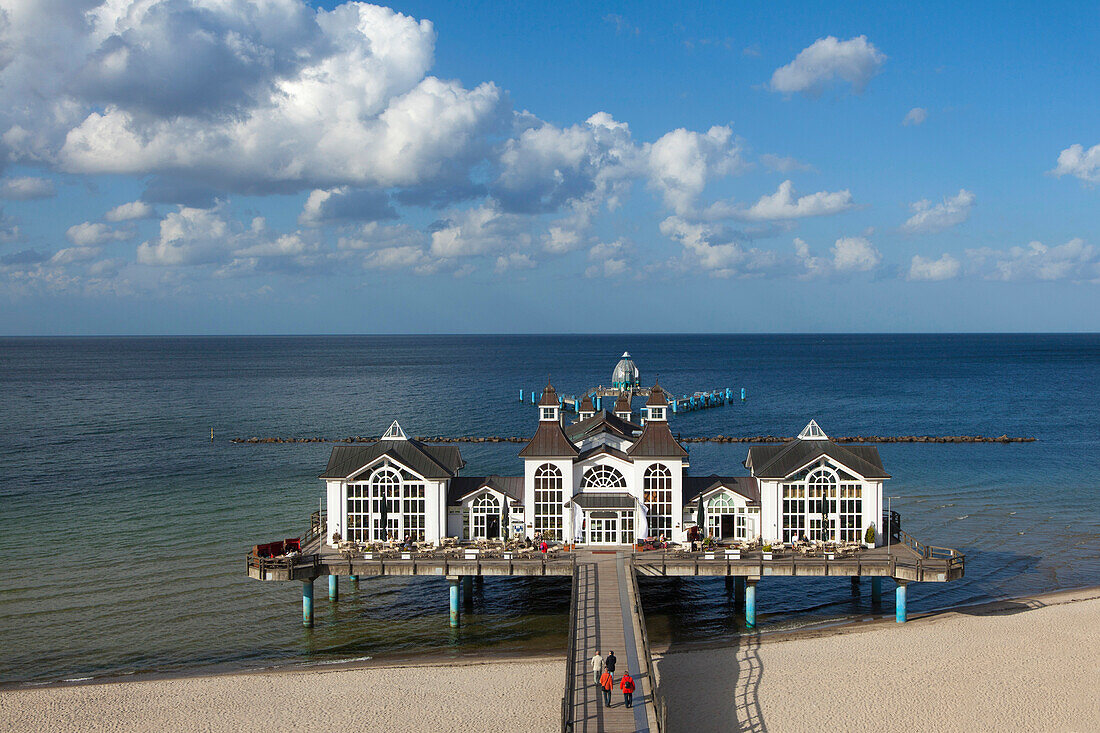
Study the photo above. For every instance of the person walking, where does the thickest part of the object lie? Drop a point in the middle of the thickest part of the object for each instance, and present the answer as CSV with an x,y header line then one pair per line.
x,y
626,684
609,663
597,667
607,682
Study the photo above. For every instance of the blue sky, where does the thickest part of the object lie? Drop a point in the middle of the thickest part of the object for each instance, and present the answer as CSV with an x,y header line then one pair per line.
x,y
223,166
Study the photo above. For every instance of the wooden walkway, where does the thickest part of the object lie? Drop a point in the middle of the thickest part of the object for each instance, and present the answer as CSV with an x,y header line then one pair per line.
x,y
607,620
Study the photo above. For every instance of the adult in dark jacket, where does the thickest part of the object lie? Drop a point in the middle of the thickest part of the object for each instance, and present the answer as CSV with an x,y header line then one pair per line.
x,y
609,663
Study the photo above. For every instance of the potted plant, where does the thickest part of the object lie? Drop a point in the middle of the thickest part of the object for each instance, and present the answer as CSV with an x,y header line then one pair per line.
x,y
767,550
869,536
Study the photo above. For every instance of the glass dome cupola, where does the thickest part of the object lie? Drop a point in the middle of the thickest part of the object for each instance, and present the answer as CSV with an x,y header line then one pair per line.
x,y
625,375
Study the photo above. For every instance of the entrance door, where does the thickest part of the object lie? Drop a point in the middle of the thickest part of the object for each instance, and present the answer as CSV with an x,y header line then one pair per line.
x,y
727,528
492,526
603,528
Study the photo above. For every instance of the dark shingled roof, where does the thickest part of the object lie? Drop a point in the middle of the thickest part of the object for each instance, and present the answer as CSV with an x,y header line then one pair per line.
x,y
657,442
549,442
460,486
656,397
597,449
430,461
746,486
780,461
622,404
602,421
586,404
549,397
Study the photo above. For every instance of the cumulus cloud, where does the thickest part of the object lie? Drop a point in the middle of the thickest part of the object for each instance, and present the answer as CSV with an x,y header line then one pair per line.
x,y
915,116
26,188
929,218
926,268
513,261
1074,260
609,259
715,250
1078,162
188,237
92,233
403,257
681,163
849,255
343,204
374,235
75,254
827,60
786,204
131,211
479,231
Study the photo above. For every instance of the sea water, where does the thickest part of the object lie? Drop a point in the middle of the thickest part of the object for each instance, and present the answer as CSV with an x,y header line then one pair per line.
x,y
125,528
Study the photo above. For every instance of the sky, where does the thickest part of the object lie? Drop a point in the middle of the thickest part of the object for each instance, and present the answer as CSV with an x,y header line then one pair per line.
x,y
285,167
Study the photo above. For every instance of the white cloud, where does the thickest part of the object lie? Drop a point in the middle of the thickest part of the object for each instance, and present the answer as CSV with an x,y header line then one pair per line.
x,y
925,268
915,116
715,251
513,261
403,257
826,60
479,231
1074,260
188,237
929,218
374,235
75,254
850,254
26,188
343,204
786,204
609,259
92,233
131,211
855,254
682,162
1076,161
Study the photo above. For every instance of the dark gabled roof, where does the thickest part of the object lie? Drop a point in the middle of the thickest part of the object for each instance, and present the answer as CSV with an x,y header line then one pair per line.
x,y
622,404
597,449
460,486
656,397
602,421
604,500
549,442
656,441
549,397
586,404
780,461
430,461
696,486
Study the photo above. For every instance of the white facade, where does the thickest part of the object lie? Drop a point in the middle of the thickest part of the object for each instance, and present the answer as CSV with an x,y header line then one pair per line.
x,y
601,494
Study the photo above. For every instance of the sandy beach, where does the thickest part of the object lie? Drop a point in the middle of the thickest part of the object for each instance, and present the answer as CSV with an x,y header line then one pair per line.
x,y
1030,664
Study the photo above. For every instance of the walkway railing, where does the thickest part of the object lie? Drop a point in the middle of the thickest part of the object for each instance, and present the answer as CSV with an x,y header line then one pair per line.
x,y
660,706
570,659
926,552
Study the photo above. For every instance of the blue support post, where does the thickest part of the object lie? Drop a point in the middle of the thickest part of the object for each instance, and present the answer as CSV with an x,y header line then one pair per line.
x,y
742,394
454,600
307,603
876,591
521,395
354,579
750,604
334,587
899,602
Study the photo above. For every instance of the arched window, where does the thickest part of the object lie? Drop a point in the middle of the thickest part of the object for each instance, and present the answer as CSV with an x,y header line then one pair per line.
x,y
548,500
385,487
602,477
657,487
397,507
485,515
821,492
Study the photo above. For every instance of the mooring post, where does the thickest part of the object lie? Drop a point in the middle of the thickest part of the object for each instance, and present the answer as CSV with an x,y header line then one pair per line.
x,y
307,602
453,580
750,603
334,587
899,601
855,585
876,591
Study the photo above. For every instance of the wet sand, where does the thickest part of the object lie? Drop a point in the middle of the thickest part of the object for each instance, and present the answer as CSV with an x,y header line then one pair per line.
x,y
1029,664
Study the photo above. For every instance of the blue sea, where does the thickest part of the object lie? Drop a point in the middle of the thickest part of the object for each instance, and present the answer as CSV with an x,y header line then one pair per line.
x,y
125,527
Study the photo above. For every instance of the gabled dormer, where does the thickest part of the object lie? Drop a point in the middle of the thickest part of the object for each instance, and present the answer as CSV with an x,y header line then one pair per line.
x,y
586,409
549,405
656,406
622,406
549,440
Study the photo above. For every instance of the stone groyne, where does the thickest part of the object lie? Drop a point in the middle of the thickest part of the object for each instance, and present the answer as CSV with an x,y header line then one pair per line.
x,y
682,439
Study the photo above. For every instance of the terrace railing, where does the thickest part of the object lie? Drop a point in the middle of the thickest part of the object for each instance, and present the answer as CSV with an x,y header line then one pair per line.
x,y
660,705
925,552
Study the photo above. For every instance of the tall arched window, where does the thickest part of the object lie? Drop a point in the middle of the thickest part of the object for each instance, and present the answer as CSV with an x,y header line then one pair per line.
x,y
385,488
657,485
821,492
482,509
397,506
548,500
602,477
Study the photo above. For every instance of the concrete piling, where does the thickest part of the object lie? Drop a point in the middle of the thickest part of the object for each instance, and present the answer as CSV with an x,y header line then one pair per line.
x,y
876,591
334,587
750,604
307,603
453,581
900,614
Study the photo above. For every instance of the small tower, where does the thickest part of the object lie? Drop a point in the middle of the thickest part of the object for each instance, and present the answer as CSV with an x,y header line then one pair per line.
x,y
622,406
656,405
812,431
549,406
587,409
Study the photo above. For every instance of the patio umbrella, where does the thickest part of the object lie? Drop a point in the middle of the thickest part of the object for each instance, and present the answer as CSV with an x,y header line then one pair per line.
x,y
504,519
701,517
578,523
385,515
645,522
